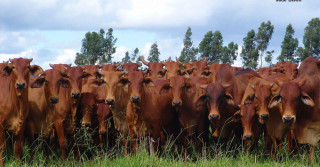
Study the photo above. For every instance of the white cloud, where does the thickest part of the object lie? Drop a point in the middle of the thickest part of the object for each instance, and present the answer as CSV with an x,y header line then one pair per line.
x,y
120,53
25,54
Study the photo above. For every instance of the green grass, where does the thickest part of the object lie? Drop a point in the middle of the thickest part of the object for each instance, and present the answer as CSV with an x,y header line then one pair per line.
x,y
213,156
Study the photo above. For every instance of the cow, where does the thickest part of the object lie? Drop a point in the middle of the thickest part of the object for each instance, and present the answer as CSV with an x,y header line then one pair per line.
x,y
148,112
172,67
266,71
44,95
299,99
116,95
187,69
14,83
155,68
189,101
104,117
224,97
109,67
288,68
200,68
252,129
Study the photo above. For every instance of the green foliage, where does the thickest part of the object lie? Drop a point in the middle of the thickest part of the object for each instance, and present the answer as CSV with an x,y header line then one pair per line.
x,y
229,53
97,47
126,58
154,53
135,55
263,37
289,46
301,54
188,52
268,57
311,39
249,54
205,46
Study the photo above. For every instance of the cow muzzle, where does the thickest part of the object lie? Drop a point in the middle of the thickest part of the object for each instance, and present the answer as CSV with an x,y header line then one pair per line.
x,y
102,132
135,99
54,100
288,119
247,137
176,103
264,116
109,101
20,85
75,95
213,117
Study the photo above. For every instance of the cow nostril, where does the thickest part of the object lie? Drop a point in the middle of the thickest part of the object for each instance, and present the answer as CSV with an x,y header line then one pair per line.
x,y
110,101
264,116
21,85
248,137
288,119
54,100
176,103
75,95
213,117
135,99
103,132
87,125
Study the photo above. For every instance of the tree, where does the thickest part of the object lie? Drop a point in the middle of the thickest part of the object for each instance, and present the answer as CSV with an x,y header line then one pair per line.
x,y
217,42
301,54
263,37
289,46
229,53
205,46
249,54
154,53
268,57
188,52
135,55
126,58
96,48
311,39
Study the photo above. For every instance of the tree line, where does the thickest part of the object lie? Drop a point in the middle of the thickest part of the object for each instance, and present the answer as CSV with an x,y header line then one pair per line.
x,y
98,47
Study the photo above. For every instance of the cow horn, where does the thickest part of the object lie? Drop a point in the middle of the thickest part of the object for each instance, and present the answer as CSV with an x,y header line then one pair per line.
x,y
69,65
177,60
167,61
31,59
10,59
252,86
50,65
100,66
139,64
124,72
302,82
146,71
205,59
271,85
144,61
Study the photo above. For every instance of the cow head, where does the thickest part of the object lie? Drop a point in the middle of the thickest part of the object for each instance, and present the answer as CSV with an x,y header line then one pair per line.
x,y
173,68
262,96
194,88
291,96
88,107
247,115
288,68
138,82
20,69
103,113
110,67
75,76
91,71
60,67
201,68
177,86
155,68
52,80
218,97
130,66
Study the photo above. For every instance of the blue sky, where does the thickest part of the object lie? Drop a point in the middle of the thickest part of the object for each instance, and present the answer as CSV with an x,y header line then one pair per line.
x,y
51,31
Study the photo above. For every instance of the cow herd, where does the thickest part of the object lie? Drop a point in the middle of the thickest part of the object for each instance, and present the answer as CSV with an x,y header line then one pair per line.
x,y
189,101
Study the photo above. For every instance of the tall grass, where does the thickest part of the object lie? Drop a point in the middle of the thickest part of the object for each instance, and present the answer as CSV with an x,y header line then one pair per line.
x,y
213,155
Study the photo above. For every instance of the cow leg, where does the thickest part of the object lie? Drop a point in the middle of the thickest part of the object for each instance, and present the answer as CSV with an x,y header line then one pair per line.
x,y
311,152
274,152
101,140
162,140
18,145
2,143
124,145
61,138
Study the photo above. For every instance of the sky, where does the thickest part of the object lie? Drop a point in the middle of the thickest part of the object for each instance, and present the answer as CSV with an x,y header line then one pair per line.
x,y
51,31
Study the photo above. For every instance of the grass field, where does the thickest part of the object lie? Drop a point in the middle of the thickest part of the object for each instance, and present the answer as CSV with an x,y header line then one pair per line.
x,y
213,156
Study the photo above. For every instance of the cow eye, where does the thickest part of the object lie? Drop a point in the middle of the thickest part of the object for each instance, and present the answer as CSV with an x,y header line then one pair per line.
x,y
124,82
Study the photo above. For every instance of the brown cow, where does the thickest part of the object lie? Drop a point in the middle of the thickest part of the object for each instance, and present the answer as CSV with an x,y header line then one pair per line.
x,y
109,67
148,111
200,68
252,129
43,96
224,97
288,68
14,101
187,69
104,115
155,68
130,66
266,71
189,101
172,67
300,101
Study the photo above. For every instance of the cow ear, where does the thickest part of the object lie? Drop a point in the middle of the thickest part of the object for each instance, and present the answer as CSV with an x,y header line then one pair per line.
x,y
236,116
307,100
96,82
148,82
35,70
98,74
302,82
229,99
190,71
205,73
274,101
225,86
162,73
7,69
204,86
279,83
38,83
65,83
249,99
85,75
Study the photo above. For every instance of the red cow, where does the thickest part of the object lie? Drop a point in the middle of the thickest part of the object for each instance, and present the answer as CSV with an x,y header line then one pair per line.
x,y
200,68
14,101
155,68
173,68
130,66
288,68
